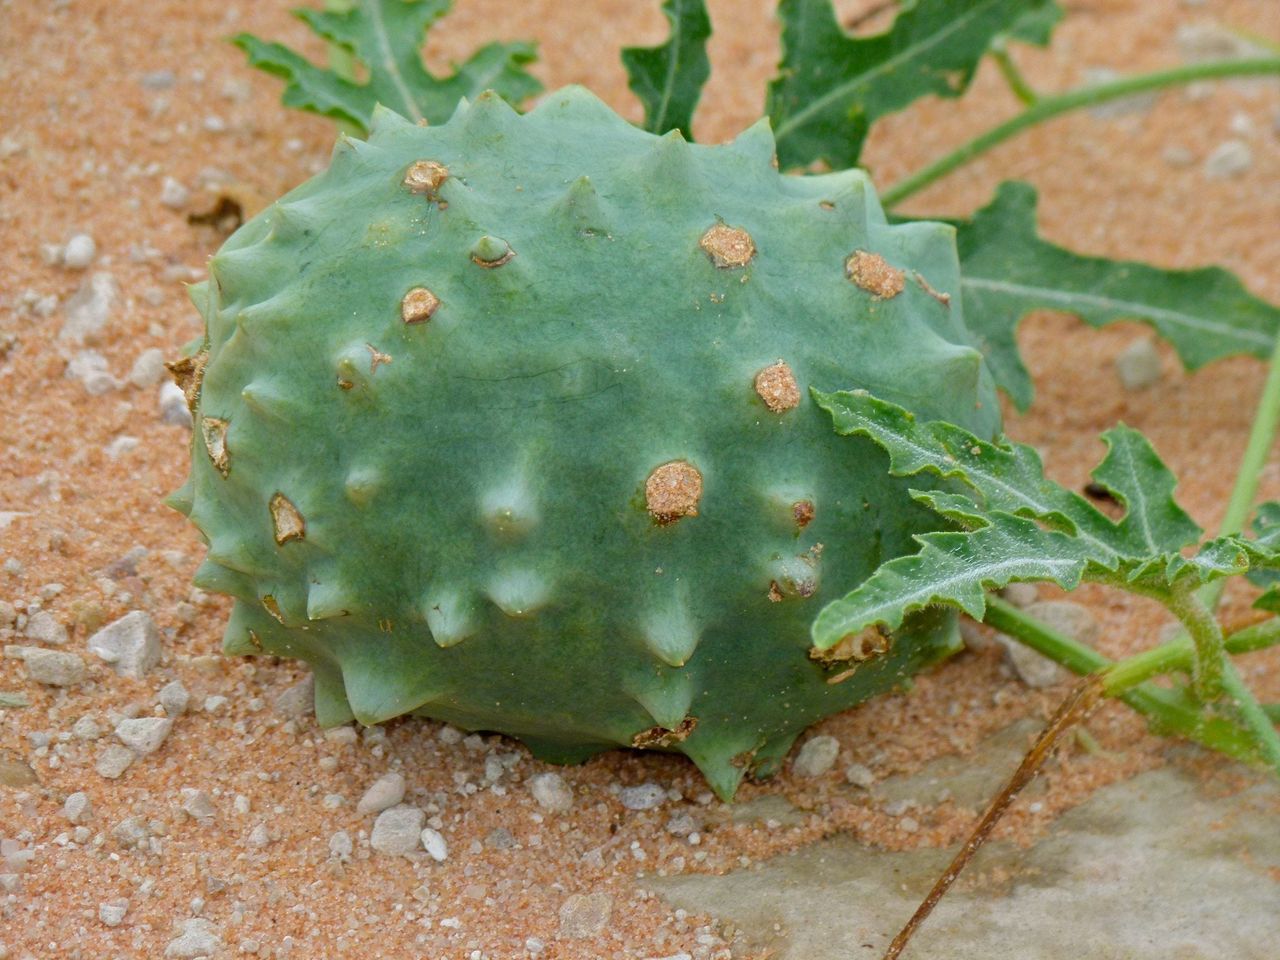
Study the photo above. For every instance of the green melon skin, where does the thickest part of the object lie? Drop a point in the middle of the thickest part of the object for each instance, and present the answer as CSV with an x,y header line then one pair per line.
x,y
450,517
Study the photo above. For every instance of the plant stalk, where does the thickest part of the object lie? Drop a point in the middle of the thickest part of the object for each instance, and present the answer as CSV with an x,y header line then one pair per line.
x,y
1262,437
1046,108
1167,710
1013,76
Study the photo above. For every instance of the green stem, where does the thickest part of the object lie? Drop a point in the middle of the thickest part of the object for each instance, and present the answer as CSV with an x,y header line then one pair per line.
x,y
1253,714
1012,75
1262,437
1206,638
1167,710
1047,108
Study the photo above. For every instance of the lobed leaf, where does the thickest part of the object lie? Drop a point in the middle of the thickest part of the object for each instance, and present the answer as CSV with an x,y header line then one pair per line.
x,y
1016,524
831,86
1008,270
668,78
387,37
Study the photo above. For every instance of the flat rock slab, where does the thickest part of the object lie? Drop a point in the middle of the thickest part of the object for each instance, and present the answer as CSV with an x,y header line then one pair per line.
x,y
1155,868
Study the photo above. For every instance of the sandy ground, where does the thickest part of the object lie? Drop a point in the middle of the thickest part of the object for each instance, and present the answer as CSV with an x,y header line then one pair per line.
x,y
103,101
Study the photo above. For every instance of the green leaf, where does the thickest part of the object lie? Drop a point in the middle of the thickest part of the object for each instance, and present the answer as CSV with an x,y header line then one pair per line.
x,y
1018,525
831,87
1036,26
668,79
387,36
1007,271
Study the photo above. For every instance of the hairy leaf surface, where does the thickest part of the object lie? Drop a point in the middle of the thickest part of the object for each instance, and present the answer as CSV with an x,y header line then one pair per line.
x,y
668,78
387,37
831,86
1008,271
1017,525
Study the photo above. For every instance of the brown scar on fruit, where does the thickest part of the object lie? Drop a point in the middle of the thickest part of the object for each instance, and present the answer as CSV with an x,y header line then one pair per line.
x,y
942,298
672,491
776,386
775,595
254,641
418,305
188,374
728,247
656,737
855,647
286,520
872,273
425,177
214,432
273,608
376,357
802,512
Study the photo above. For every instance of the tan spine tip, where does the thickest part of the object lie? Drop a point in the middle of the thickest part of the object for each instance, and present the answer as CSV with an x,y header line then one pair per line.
x,y
286,520
673,491
418,305
214,432
425,177
728,247
776,386
872,273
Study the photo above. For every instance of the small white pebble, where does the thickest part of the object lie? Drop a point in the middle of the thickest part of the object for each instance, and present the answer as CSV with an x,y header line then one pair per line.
x,y
77,807
196,804
386,791
148,368
816,757
860,776
434,843
144,735
1230,158
645,796
215,704
551,792
174,698
112,914
173,194
79,252
259,836
113,761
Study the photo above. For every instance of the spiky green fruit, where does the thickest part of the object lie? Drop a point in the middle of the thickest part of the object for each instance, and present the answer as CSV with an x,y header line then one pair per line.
x,y
506,422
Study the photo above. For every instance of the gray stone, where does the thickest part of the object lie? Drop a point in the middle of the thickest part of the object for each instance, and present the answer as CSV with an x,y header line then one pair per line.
x,y
859,776
144,735
645,796
174,698
1152,868
173,194
816,756
340,846
385,792
1231,158
499,838
199,938
434,843
54,667
79,252
89,308
585,915
1138,365
131,644
90,368
148,368
77,807
1021,594
172,403
397,831
551,793
113,761
259,836
130,832
86,728
112,913
298,700
196,804
43,627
